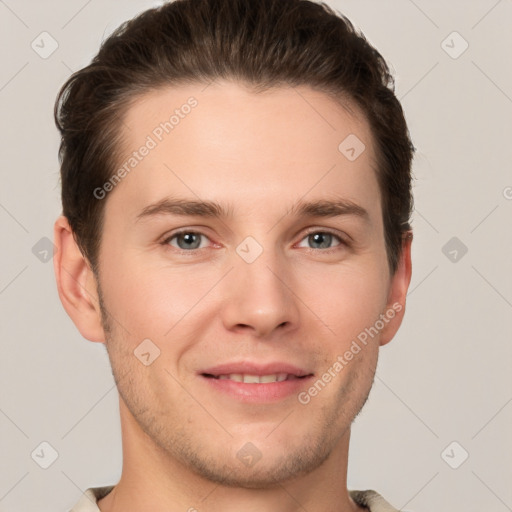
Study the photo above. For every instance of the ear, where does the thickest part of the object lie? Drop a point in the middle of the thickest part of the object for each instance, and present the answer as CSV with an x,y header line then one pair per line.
x,y
398,291
76,283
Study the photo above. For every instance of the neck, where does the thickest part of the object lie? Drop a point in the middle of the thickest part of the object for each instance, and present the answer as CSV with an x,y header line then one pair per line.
x,y
153,480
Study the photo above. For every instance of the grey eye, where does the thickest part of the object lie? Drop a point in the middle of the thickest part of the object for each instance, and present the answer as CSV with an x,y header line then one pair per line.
x,y
322,240
187,240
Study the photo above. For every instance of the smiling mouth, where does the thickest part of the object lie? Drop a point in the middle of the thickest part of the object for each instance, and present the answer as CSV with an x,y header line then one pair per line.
x,y
256,379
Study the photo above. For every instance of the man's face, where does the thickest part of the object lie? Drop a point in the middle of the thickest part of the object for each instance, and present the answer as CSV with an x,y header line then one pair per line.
x,y
262,293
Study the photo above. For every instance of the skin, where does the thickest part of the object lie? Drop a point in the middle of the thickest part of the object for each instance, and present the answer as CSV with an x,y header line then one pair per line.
x,y
301,302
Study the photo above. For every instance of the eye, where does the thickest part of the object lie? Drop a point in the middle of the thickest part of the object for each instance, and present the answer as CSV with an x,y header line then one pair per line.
x,y
186,240
323,239
191,240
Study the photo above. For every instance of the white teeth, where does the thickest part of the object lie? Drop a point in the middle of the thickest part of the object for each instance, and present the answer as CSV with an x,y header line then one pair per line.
x,y
268,378
255,379
251,379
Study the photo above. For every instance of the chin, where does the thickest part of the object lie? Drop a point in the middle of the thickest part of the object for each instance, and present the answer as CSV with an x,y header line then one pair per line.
x,y
271,470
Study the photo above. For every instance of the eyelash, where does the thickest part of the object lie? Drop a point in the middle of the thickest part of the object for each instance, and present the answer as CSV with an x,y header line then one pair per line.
x,y
342,242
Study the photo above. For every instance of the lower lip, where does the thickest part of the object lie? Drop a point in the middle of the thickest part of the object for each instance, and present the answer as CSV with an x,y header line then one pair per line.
x,y
267,392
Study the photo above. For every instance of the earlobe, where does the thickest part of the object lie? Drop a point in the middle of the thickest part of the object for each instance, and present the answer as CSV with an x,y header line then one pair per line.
x,y
400,281
76,283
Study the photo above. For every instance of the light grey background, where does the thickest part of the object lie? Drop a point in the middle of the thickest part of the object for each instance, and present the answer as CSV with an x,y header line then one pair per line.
x,y
445,377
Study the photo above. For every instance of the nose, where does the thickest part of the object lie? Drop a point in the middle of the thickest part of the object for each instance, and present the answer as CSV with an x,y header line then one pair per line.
x,y
259,297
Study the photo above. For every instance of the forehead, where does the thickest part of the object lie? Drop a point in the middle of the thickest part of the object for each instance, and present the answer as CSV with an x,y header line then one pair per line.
x,y
225,142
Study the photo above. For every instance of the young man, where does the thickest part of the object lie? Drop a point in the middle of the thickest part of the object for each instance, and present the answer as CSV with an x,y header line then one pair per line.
x,y
236,199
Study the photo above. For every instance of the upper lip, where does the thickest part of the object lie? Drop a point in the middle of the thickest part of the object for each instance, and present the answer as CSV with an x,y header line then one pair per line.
x,y
253,368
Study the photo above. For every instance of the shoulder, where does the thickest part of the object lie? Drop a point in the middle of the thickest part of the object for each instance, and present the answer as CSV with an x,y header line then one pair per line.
x,y
88,501
372,500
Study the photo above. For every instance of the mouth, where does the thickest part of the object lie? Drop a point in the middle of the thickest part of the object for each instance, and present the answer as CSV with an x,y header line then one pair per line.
x,y
249,382
255,379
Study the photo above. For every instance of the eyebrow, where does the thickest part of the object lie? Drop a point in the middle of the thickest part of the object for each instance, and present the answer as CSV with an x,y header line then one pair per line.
x,y
212,209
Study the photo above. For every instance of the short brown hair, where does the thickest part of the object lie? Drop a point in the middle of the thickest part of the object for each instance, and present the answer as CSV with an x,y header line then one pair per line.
x,y
263,43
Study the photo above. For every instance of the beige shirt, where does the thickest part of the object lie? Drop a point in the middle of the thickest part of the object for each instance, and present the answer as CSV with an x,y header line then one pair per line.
x,y
370,499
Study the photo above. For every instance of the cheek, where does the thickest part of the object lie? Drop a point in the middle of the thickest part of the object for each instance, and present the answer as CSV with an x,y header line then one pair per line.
x,y
149,300
349,300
